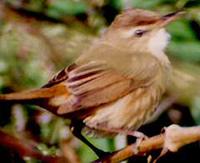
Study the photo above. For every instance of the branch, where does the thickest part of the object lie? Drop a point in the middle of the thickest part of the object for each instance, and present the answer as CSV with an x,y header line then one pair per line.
x,y
26,148
172,140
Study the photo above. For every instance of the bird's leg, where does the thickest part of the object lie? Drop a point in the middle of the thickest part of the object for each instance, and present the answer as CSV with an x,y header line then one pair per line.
x,y
76,128
139,135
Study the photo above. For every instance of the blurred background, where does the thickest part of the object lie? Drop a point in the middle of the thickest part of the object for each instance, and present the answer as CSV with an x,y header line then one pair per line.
x,y
40,37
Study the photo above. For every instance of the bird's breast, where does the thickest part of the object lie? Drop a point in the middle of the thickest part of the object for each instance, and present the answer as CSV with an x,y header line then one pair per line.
x,y
127,113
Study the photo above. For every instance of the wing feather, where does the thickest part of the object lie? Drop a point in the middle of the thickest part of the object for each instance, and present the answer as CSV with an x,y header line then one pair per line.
x,y
105,76
93,86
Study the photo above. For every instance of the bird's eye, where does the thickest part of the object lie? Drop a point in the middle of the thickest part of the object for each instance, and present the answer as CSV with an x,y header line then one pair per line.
x,y
139,32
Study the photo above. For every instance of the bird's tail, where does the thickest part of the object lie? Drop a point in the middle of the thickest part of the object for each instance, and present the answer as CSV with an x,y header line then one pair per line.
x,y
33,95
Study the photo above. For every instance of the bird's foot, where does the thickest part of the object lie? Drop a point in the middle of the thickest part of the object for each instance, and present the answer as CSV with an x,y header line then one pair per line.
x,y
139,137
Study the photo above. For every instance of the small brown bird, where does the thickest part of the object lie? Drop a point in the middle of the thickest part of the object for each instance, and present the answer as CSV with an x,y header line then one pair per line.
x,y
116,84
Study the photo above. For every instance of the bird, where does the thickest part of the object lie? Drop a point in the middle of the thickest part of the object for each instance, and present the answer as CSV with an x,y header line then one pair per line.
x,y
114,86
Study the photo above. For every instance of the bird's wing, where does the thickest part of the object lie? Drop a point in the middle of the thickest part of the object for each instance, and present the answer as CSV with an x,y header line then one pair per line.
x,y
104,77
137,65
93,84
59,77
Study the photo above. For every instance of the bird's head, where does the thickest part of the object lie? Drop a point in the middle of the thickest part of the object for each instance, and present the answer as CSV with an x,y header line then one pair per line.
x,y
141,30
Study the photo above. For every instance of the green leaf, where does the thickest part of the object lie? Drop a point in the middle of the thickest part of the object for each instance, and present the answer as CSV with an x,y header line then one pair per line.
x,y
51,151
35,5
146,4
188,51
195,110
61,8
118,4
50,132
87,155
181,31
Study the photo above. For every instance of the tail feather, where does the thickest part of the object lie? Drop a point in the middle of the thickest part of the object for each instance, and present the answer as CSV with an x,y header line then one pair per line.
x,y
42,93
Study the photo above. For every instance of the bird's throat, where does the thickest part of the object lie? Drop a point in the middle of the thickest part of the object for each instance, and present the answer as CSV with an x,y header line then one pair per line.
x,y
158,43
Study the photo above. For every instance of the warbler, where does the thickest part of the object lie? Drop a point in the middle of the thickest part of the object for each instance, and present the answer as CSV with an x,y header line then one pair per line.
x,y
116,84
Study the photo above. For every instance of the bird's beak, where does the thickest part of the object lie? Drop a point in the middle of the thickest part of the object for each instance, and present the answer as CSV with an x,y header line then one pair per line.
x,y
166,19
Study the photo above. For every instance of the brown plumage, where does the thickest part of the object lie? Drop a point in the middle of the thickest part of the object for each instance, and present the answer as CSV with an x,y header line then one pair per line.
x,y
114,86
135,17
